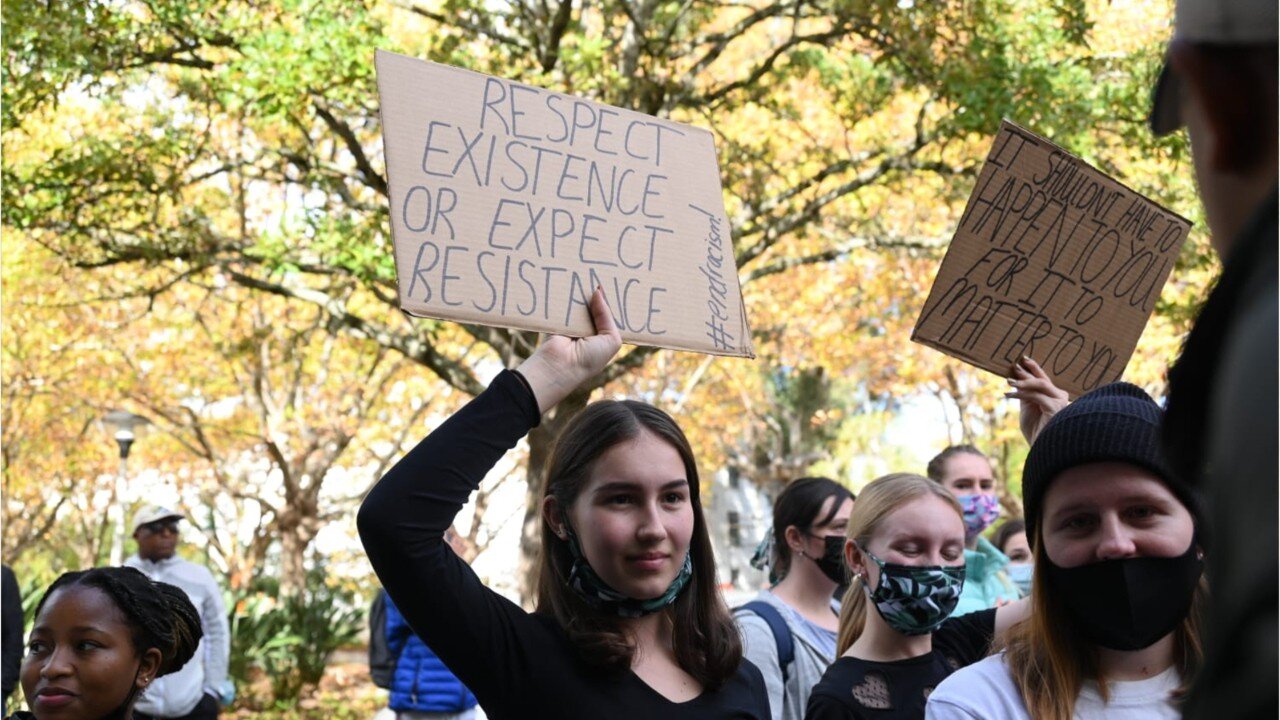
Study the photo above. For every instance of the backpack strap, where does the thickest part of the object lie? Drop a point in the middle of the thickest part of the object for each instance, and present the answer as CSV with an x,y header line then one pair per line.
x,y
781,633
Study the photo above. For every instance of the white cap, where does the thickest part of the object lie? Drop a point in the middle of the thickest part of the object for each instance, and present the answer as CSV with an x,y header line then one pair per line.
x,y
152,513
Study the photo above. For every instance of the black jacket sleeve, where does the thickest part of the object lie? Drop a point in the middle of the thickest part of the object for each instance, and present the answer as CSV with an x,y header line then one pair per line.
x,y
480,635
11,623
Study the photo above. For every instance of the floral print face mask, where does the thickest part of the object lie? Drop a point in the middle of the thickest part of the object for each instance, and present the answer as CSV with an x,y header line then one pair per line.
x,y
596,592
979,512
915,599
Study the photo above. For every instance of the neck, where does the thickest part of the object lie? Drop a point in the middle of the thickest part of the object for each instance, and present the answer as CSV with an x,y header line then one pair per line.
x,y
806,589
651,634
881,643
1129,665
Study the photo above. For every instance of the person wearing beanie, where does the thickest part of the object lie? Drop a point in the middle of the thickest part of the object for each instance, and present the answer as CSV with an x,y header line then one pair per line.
x,y
1118,587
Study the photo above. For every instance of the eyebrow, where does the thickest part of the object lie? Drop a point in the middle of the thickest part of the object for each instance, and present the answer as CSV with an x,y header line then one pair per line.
x,y
923,539
622,485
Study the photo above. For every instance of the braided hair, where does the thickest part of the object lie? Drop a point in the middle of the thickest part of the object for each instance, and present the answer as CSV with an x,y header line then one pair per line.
x,y
160,615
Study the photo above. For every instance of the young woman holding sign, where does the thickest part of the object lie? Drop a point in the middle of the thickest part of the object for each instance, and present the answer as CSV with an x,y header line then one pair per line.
x,y
629,623
1117,586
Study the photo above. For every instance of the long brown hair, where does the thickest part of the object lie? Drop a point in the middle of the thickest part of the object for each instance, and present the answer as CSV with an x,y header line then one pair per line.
x,y
1049,662
875,503
705,639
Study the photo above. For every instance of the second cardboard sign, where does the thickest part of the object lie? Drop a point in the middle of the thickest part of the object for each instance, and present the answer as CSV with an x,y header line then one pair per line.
x,y
1054,260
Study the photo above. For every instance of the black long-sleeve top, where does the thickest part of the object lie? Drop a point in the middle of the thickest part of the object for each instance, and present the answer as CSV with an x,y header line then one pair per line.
x,y
519,665
11,647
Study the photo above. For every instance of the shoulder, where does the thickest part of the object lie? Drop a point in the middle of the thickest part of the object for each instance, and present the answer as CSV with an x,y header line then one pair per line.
x,y
839,677
756,627
748,674
990,551
196,574
824,706
745,687
982,689
834,697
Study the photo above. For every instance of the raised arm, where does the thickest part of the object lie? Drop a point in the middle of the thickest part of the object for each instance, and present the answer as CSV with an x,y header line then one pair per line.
x,y
403,520
1011,614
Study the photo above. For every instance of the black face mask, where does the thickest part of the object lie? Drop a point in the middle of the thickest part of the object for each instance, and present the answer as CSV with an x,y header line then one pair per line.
x,y
1128,604
832,561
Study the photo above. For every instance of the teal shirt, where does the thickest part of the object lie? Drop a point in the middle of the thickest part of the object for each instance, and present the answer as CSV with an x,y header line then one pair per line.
x,y
985,582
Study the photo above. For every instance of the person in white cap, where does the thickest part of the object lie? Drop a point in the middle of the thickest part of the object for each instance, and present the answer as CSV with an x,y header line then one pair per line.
x,y
1220,82
196,691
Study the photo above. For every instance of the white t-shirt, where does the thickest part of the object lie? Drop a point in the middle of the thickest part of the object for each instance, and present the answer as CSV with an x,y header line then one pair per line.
x,y
985,691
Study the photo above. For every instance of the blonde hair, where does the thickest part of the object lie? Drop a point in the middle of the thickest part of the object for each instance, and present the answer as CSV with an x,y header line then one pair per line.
x,y
875,503
1049,662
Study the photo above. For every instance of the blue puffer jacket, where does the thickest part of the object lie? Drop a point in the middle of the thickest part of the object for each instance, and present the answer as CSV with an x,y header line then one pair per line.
x,y
422,682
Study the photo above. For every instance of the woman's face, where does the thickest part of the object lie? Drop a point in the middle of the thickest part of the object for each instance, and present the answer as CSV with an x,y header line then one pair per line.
x,y
1017,549
634,517
812,541
924,531
969,474
81,661
1111,511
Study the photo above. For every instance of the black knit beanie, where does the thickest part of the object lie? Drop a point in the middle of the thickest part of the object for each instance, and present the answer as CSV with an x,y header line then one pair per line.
x,y
1114,423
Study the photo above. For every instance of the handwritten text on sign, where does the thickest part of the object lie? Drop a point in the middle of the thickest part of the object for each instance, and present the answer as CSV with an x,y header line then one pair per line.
x,y
1054,260
510,204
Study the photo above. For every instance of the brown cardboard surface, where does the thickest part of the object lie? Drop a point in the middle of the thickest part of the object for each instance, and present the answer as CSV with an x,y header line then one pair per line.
x,y
511,203
1052,259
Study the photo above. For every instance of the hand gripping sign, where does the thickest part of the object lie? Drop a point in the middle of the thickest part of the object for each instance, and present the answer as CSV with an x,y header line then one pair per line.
x,y
1053,259
510,204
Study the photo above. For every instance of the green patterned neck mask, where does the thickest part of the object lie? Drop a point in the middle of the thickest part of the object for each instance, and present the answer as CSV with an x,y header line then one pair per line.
x,y
915,599
596,592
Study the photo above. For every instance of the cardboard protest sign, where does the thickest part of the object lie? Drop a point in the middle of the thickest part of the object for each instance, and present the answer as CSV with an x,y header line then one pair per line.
x,y
511,203
1052,259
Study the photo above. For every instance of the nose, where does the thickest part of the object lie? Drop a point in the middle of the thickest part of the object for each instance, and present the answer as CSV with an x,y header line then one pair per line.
x,y
651,527
1115,542
58,664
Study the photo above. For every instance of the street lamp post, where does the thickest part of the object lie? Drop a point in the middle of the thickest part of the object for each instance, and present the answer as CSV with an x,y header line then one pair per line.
x,y
126,426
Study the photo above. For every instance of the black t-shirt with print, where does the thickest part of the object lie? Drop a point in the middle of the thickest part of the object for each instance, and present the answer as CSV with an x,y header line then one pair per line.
x,y
855,689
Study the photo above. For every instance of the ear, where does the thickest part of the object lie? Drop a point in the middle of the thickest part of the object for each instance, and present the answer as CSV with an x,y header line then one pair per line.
x,y
1215,92
552,516
853,559
135,534
794,538
148,668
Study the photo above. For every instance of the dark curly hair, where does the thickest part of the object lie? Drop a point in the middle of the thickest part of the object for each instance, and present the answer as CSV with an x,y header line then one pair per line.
x,y
160,615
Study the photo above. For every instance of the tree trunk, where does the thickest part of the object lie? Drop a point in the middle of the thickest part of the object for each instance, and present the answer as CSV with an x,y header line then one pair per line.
x,y
293,550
